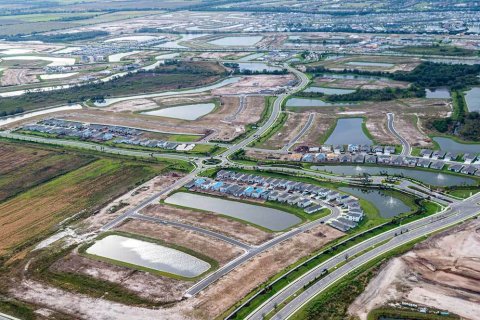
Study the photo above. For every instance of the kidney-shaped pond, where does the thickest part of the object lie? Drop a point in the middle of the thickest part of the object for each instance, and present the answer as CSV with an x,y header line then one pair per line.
x,y
148,255
387,205
186,112
273,219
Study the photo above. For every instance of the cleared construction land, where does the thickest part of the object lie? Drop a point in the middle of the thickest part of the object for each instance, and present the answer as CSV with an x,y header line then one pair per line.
x,y
441,272
31,214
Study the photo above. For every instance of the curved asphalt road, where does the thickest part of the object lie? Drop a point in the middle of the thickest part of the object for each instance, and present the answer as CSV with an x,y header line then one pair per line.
x,y
406,148
193,228
304,130
205,282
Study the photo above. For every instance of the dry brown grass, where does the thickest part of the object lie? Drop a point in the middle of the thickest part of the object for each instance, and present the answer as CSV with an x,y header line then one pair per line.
x,y
33,213
229,227
218,250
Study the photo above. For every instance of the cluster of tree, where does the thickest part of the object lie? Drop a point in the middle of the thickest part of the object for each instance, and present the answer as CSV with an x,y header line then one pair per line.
x,y
178,66
430,74
11,112
163,78
61,37
438,50
427,74
467,129
385,94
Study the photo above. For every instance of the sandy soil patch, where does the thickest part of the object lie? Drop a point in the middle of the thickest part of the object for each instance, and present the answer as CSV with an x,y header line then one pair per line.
x,y
294,124
255,84
441,272
216,249
231,228
131,199
358,83
148,286
406,112
132,105
225,292
13,77
84,307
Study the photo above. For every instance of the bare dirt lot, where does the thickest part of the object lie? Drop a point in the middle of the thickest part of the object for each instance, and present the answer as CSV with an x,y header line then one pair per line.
x,y
372,63
216,249
232,228
151,287
227,121
441,272
406,112
292,127
131,199
13,77
225,292
255,84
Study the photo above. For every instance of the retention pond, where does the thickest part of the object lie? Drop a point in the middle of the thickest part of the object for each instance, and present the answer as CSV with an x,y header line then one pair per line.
x,y
273,219
149,255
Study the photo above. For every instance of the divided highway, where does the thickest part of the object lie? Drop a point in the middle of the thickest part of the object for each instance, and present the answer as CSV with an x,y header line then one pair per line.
x,y
457,212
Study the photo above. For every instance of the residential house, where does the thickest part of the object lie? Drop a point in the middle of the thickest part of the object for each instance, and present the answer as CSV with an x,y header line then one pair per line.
x,y
425,163
455,167
370,159
388,150
469,170
437,165
313,209
425,153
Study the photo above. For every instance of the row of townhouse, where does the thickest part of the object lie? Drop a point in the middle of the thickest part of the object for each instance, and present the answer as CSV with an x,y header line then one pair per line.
x,y
468,158
152,143
301,194
350,148
100,132
248,191
395,160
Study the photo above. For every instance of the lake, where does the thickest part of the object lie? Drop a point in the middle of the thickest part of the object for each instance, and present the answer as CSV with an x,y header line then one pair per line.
x,y
216,85
273,219
310,102
472,97
387,205
54,61
148,255
439,179
252,56
370,64
185,112
450,145
256,66
183,37
137,38
117,57
438,93
237,41
350,76
328,90
23,116
348,131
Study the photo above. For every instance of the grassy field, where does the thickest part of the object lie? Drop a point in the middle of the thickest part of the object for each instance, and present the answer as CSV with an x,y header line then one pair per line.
x,y
31,215
181,76
438,50
22,167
